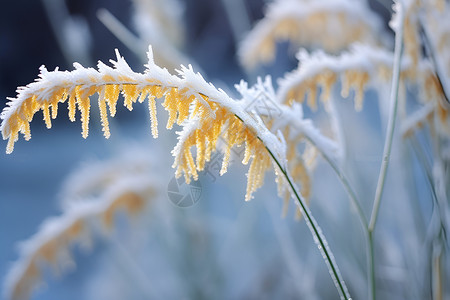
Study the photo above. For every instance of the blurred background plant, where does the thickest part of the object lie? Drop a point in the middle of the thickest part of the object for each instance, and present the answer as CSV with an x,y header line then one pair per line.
x,y
221,246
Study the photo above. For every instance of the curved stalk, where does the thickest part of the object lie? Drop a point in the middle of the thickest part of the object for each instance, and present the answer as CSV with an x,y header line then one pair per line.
x,y
318,237
362,218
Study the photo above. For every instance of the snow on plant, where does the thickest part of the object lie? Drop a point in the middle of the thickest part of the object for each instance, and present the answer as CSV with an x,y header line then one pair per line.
x,y
365,66
198,106
211,108
85,213
269,123
286,20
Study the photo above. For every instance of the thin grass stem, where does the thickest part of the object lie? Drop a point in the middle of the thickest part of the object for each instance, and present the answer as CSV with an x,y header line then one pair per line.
x,y
392,118
393,99
318,237
362,218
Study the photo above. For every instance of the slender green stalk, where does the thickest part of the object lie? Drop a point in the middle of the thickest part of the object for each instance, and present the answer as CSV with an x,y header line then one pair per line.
x,y
315,230
393,99
318,237
362,218
392,117
371,266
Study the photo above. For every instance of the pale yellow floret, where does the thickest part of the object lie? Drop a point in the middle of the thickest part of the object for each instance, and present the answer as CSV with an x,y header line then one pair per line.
x,y
130,94
153,119
54,109
170,104
226,160
411,34
192,171
45,111
129,201
200,144
104,116
72,107
22,289
26,130
255,176
326,81
248,147
111,96
85,106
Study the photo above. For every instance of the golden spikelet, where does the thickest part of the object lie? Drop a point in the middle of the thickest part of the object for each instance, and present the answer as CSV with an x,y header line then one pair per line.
x,y
411,37
46,93
129,201
45,247
235,133
357,70
51,245
332,27
322,71
298,170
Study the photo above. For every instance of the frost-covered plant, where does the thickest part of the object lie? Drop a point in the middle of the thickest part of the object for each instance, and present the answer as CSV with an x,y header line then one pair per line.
x,y
204,112
346,47
331,25
92,198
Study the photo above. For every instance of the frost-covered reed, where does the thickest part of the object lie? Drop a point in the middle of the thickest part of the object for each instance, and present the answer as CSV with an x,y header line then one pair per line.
x,y
342,45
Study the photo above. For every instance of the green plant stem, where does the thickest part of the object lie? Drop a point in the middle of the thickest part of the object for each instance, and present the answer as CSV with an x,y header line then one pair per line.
x,y
393,99
315,230
371,266
362,218
317,235
391,122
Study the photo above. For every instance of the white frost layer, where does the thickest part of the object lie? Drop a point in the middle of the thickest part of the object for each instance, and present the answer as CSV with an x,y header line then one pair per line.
x,y
298,10
48,82
360,57
286,116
